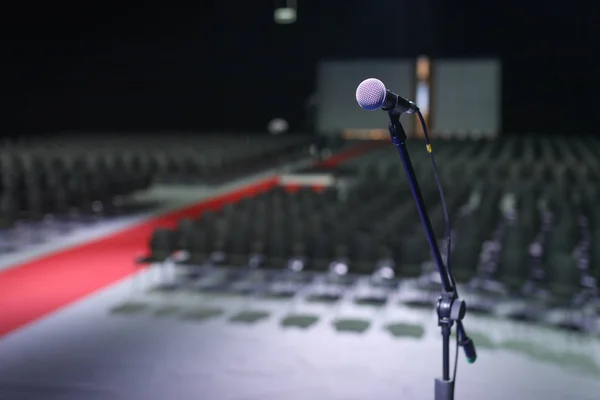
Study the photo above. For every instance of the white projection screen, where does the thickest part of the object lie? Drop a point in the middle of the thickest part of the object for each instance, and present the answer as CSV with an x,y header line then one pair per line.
x,y
336,90
466,97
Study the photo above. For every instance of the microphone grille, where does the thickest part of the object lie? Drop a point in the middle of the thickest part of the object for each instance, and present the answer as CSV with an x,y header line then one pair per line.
x,y
370,94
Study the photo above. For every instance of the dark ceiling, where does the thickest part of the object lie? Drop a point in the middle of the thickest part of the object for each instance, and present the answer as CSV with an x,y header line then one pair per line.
x,y
177,68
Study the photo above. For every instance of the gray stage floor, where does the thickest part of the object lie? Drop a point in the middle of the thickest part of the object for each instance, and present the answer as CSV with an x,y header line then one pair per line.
x,y
190,346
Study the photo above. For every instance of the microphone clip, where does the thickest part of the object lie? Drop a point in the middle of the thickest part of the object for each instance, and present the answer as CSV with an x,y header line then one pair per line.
x,y
450,310
397,133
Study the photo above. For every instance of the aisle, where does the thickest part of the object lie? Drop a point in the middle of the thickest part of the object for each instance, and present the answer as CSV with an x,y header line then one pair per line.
x,y
31,290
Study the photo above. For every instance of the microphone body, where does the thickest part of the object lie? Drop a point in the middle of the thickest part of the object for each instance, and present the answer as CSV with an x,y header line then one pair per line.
x,y
393,102
372,94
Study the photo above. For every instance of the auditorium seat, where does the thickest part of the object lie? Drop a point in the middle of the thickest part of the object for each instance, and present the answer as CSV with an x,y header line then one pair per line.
x,y
162,246
514,260
564,277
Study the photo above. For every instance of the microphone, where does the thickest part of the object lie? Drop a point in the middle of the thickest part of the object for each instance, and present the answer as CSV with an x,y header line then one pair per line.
x,y
371,95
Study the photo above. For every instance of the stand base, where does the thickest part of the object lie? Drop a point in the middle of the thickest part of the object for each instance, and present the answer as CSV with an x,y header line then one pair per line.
x,y
444,390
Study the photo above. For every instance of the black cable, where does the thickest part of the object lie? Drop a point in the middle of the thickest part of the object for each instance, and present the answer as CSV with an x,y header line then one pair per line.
x,y
448,230
442,199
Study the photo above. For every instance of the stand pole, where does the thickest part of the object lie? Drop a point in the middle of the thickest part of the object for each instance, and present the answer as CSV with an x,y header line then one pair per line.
x,y
446,352
449,308
444,388
399,139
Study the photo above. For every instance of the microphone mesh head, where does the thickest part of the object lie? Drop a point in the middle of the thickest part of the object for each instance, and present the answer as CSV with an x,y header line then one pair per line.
x,y
370,94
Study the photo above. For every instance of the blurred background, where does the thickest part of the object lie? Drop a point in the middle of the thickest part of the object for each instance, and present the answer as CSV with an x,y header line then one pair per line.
x,y
192,195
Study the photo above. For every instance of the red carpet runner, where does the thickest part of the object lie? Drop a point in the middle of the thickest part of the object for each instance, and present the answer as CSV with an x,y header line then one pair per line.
x,y
33,290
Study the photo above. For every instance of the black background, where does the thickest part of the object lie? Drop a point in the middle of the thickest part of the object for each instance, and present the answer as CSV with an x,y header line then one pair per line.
x,y
136,68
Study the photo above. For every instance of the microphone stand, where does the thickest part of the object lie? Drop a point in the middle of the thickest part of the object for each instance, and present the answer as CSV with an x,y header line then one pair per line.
x,y
450,309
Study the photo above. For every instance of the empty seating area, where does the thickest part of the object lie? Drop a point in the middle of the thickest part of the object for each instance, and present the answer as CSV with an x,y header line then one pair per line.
x,y
43,181
188,157
524,212
91,175
216,158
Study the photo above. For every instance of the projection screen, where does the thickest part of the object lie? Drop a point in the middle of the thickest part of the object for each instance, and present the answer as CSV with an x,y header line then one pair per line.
x,y
466,97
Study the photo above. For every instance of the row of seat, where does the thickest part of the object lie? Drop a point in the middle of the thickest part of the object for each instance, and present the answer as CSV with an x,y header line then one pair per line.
x,y
362,230
92,172
187,157
492,160
552,184
33,185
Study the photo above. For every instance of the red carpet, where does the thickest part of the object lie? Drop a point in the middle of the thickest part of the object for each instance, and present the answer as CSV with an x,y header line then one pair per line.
x,y
37,288
338,159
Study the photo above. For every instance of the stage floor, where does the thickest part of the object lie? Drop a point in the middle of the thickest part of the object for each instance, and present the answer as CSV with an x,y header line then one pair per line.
x,y
86,345
130,343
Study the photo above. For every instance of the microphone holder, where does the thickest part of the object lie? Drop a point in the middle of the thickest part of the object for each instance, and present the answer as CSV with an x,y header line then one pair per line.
x,y
450,309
